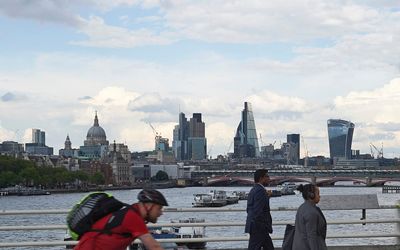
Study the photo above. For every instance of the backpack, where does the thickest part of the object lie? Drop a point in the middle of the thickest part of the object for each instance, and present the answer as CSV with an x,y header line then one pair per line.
x,y
90,209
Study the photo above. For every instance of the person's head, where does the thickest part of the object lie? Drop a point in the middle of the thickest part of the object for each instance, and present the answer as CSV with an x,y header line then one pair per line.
x,y
310,192
153,202
261,176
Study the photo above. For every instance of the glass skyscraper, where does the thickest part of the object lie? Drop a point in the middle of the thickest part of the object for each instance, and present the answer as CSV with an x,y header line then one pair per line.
x,y
189,141
294,141
246,141
340,133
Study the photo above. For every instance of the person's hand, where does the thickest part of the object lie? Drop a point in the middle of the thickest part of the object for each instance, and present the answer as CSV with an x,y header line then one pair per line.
x,y
269,192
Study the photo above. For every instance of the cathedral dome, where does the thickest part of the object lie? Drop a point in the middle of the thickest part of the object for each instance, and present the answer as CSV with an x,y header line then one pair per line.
x,y
96,134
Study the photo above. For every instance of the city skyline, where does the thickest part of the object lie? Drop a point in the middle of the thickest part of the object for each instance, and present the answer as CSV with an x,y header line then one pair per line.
x,y
298,64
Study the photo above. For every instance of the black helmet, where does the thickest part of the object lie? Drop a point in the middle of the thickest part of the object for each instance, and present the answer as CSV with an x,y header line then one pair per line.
x,y
153,196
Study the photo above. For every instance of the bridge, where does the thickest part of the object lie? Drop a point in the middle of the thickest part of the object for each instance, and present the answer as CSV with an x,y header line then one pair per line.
x,y
319,177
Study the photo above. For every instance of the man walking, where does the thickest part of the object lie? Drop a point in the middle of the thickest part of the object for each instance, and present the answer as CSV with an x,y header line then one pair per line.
x,y
259,220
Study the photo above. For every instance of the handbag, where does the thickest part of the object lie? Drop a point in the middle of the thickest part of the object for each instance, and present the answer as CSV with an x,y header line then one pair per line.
x,y
288,237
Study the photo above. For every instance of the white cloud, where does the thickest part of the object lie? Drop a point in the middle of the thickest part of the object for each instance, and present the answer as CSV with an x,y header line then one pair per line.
x,y
107,36
337,57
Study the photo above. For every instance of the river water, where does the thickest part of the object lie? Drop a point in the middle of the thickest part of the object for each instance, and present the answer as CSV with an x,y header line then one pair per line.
x,y
183,197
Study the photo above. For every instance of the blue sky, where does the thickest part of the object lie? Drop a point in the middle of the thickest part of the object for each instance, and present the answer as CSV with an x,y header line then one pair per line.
x,y
298,62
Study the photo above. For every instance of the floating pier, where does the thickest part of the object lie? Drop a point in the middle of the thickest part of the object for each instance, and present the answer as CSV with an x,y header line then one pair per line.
x,y
390,189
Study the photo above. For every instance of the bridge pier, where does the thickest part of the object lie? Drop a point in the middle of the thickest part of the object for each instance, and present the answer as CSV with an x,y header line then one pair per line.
x,y
368,181
313,180
205,181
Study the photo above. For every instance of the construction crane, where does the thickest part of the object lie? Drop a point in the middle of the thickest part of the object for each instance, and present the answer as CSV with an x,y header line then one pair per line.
x,y
378,151
209,151
261,140
305,152
229,148
372,151
156,134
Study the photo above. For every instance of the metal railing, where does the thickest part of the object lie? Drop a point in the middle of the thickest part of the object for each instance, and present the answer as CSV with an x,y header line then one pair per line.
x,y
395,233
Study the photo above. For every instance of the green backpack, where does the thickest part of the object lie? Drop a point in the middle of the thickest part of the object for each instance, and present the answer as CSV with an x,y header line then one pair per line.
x,y
90,209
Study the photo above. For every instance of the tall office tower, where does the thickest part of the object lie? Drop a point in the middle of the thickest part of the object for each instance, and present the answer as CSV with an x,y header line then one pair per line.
x,y
38,137
245,140
180,138
197,143
189,142
340,133
38,145
294,141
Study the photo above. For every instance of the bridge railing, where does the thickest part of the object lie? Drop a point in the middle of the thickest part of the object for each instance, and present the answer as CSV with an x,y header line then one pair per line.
x,y
277,223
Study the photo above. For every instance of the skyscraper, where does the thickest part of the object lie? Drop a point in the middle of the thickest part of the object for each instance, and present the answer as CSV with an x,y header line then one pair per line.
x,y
245,140
197,142
294,141
340,133
189,142
38,145
38,137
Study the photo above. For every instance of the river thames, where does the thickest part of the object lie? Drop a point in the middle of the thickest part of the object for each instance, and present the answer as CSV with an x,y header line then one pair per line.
x,y
183,197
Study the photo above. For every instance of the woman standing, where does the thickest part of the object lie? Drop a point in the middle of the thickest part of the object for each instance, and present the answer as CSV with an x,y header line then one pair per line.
x,y
310,227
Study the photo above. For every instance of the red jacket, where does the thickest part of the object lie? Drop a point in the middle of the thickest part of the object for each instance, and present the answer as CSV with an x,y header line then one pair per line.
x,y
133,224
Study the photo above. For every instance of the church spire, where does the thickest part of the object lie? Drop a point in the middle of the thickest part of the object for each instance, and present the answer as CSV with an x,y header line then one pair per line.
x,y
67,144
96,120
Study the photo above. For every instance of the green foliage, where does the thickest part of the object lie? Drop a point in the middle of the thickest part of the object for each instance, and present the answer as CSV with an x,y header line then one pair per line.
x,y
161,176
22,172
97,179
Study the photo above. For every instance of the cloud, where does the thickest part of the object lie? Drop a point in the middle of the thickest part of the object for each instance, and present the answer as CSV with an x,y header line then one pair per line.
x,y
41,10
11,97
85,98
275,103
7,135
153,103
102,35
379,105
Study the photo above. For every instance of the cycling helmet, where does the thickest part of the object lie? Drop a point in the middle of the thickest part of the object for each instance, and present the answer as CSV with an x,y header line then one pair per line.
x,y
153,196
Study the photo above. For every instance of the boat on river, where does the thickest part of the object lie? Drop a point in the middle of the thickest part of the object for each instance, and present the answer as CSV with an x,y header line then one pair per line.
x,y
190,232
287,188
241,194
178,232
23,191
208,200
215,198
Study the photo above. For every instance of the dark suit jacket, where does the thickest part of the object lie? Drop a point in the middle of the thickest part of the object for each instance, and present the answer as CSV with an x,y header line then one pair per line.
x,y
310,228
258,210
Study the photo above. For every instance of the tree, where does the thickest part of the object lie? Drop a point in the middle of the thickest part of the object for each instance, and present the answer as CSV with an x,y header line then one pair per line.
x,y
8,178
30,176
161,176
97,178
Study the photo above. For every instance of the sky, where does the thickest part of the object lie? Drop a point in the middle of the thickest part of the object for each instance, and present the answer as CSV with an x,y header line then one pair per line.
x,y
135,62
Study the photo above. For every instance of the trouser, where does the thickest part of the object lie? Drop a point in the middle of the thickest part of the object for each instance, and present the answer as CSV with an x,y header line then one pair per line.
x,y
260,240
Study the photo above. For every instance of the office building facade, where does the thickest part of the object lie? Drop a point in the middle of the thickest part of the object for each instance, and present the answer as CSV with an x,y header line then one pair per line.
x,y
245,140
189,142
294,148
340,134
38,145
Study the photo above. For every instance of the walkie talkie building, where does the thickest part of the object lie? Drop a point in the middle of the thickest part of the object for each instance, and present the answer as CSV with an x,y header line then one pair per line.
x,y
340,133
